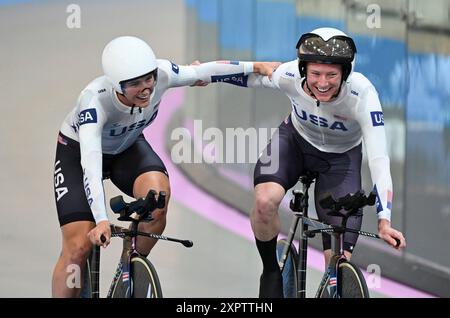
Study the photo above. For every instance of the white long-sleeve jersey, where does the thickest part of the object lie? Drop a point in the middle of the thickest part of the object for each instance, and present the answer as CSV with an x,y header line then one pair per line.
x,y
102,124
341,124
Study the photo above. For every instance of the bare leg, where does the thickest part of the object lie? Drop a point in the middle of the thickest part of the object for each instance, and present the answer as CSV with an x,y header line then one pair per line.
x,y
157,181
264,217
265,223
69,269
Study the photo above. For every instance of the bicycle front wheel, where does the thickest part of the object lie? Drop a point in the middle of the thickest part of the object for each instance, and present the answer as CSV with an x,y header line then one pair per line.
x,y
351,283
144,281
290,269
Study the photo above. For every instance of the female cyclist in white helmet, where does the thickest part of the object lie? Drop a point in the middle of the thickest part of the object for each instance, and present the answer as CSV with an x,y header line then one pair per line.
x,y
125,60
101,138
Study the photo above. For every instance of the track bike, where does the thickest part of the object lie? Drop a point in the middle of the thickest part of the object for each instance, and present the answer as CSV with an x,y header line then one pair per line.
x,y
135,276
342,279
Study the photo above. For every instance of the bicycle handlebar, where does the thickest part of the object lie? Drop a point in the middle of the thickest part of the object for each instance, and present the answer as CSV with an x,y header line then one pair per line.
x,y
337,229
142,207
185,243
349,202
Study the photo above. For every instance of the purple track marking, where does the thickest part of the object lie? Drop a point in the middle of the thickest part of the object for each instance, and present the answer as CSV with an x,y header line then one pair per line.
x,y
183,191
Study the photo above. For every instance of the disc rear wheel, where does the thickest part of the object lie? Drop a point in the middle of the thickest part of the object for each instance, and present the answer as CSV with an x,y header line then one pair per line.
x,y
144,281
351,283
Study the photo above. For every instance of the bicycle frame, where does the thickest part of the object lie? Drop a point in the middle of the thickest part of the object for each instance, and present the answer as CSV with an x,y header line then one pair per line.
x,y
125,261
143,209
299,205
338,256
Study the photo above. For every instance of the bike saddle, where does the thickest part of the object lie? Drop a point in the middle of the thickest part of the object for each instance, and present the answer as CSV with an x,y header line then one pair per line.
x,y
309,177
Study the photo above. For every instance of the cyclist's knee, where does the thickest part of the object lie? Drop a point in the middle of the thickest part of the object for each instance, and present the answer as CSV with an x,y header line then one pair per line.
x,y
160,215
76,252
265,208
268,197
152,180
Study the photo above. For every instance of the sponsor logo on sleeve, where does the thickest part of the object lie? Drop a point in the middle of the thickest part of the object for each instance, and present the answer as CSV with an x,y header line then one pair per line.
x,y
87,116
377,118
236,79
87,189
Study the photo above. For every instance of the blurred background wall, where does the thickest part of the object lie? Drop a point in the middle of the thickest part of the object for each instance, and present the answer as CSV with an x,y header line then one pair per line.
x,y
404,50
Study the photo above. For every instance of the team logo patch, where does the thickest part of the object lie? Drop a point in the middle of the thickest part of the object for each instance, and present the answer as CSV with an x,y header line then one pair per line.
x,y
319,121
377,118
175,68
87,116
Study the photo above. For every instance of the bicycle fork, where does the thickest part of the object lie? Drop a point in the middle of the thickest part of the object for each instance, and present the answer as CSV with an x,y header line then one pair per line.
x,y
331,276
298,204
290,239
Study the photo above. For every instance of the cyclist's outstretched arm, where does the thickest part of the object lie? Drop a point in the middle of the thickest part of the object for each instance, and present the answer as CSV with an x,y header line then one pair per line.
x,y
280,77
370,116
231,72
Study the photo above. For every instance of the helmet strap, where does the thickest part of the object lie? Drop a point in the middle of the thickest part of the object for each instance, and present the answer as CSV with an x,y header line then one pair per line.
x,y
309,89
311,92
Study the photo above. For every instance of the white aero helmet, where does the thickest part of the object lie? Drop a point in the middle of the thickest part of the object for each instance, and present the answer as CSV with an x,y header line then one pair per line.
x,y
329,46
126,58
